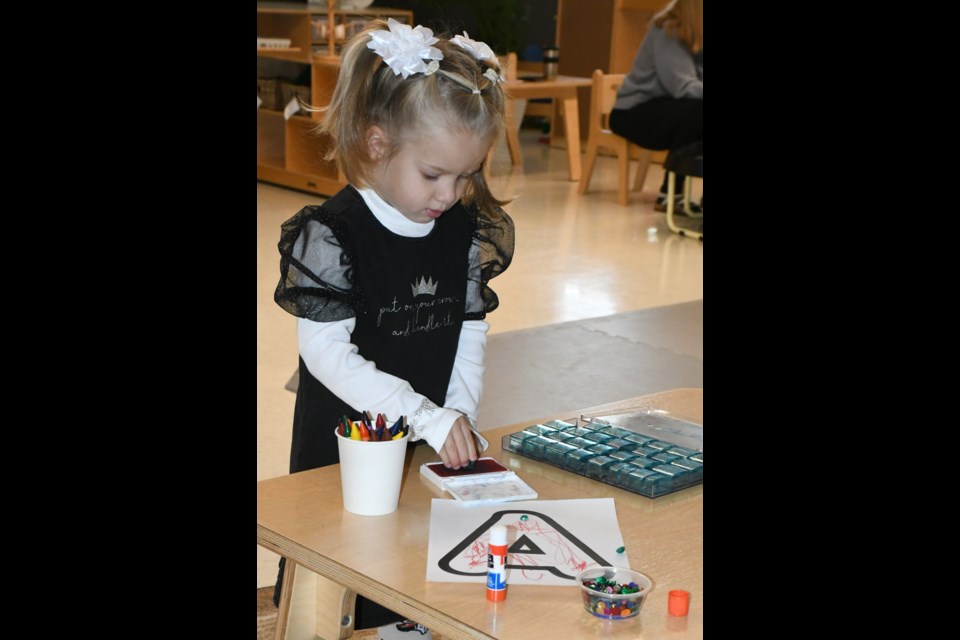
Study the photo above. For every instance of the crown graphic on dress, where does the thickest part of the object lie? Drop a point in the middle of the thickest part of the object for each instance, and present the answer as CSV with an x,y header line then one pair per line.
x,y
428,287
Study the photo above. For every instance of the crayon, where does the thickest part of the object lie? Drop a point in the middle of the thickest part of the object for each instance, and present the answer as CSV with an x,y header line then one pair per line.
x,y
369,429
364,434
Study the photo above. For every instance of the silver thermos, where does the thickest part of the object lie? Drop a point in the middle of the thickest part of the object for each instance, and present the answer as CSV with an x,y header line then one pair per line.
x,y
551,62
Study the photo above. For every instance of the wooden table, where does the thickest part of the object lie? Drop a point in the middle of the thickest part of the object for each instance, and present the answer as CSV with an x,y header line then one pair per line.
x,y
564,90
300,516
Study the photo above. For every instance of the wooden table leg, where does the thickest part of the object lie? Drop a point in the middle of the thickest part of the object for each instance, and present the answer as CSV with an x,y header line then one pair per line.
x,y
286,594
513,138
335,607
571,118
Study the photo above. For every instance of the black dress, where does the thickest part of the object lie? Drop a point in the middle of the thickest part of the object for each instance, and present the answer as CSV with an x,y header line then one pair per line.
x,y
409,296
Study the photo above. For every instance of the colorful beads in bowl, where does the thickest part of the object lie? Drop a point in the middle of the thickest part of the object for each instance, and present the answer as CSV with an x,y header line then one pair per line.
x,y
613,593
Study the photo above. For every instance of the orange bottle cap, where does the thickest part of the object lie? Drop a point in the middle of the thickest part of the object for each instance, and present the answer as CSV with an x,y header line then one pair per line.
x,y
678,602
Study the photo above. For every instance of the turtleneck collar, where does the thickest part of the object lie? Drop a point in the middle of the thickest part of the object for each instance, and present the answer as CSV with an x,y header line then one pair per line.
x,y
392,219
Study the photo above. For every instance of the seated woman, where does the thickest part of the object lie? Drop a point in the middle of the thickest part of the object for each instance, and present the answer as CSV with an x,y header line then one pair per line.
x,y
660,104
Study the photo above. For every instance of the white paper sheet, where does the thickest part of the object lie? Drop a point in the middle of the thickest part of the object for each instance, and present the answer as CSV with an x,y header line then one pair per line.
x,y
558,540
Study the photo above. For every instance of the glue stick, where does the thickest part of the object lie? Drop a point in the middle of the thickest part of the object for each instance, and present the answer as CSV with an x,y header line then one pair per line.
x,y
497,564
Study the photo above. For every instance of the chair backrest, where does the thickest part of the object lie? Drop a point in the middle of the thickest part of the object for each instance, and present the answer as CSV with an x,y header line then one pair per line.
x,y
603,95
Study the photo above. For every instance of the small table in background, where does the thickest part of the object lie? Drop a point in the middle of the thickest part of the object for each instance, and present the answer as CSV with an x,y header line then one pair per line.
x,y
564,90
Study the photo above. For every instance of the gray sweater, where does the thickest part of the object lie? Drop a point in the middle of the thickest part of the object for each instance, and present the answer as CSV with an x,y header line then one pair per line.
x,y
663,67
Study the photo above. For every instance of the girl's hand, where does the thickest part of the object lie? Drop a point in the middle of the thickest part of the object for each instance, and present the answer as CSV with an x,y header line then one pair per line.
x,y
460,447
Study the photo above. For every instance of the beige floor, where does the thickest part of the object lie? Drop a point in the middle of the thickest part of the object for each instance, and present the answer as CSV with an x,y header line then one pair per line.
x,y
576,257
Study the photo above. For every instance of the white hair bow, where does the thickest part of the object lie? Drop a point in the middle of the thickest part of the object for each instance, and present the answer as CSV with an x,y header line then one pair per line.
x,y
404,48
480,50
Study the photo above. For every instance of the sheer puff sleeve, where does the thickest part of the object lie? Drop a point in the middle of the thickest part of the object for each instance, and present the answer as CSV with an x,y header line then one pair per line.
x,y
316,275
490,254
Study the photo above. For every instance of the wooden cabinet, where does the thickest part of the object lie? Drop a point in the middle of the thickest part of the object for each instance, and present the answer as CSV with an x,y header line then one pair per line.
x,y
289,152
600,34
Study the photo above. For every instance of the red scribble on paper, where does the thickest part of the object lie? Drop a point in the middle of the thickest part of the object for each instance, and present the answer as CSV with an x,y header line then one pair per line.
x,y
476,553
558,552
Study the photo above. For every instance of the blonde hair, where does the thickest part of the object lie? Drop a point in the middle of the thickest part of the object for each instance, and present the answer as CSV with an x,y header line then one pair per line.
x,y
683,20
460,95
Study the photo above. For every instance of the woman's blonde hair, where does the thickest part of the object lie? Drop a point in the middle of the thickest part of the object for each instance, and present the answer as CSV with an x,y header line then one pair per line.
x,y
683,20
460,96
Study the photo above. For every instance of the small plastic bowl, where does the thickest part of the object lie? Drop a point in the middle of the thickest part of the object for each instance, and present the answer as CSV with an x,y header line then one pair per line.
x,y
613,606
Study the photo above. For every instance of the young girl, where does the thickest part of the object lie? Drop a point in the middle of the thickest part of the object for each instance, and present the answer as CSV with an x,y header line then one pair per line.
x,y
389,277
660,103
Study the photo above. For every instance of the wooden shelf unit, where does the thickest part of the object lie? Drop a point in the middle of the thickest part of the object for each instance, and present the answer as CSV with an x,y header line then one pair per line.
x,y
289,152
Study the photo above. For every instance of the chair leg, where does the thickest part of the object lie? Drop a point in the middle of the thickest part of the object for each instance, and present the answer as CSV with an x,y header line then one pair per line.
x,y
623,175
643,164
588,167
687,196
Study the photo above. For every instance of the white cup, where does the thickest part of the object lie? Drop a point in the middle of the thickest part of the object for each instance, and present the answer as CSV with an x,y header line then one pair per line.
x,y
370,474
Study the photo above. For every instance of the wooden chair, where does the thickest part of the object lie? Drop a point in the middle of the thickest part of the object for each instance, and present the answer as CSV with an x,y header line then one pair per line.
x,y
602,97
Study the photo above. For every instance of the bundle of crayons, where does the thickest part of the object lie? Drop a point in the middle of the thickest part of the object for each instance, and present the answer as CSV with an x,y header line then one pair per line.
x,y
371,430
